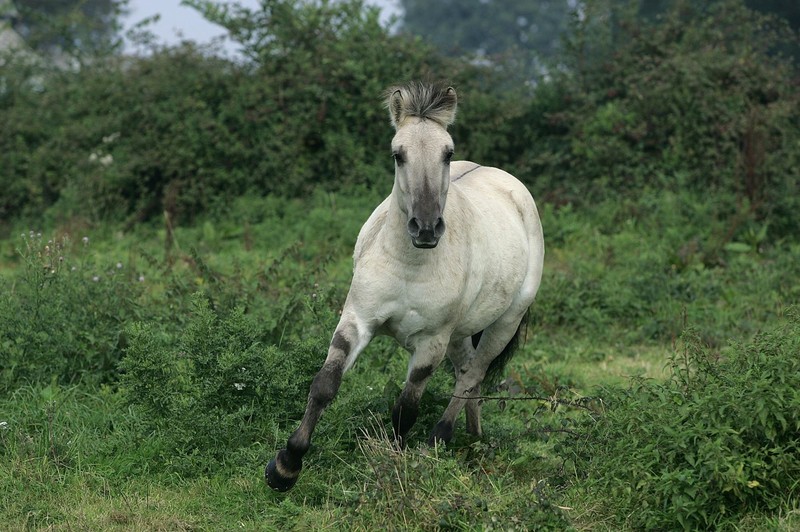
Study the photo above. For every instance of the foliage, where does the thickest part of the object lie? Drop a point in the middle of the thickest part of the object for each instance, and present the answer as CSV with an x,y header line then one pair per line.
x,y
79,29
678,103
519,35
231,193
184,132
215,388
62,317
716,440
430,490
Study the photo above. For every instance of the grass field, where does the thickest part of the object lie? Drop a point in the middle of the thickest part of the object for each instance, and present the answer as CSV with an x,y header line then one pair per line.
x,y
637,304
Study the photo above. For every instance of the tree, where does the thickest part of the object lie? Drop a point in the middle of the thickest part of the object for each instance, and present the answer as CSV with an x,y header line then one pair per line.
x,y
524,31
71,27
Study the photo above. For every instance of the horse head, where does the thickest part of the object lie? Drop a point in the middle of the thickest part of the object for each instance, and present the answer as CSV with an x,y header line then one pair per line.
x,y
422,149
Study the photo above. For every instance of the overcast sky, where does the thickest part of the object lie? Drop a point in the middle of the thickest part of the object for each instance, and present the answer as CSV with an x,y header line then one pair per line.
x,y
179,22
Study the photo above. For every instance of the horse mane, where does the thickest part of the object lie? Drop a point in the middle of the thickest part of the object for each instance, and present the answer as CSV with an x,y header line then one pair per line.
x,y
434,101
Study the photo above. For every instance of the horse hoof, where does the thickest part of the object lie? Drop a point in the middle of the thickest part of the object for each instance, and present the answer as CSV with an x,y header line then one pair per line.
x,y
276,480
442,433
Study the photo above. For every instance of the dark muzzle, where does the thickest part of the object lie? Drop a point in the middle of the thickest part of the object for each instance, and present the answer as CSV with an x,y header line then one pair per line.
x,y
425,234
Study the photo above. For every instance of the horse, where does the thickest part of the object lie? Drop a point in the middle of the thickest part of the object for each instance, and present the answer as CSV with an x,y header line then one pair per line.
x,y
448,265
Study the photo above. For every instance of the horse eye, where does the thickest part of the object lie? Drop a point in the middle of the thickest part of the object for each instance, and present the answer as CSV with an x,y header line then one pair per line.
x,y
447,156
398,158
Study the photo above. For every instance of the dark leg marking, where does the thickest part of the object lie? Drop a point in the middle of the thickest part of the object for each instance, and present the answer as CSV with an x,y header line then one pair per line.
x,y
420,374
325,384
340,342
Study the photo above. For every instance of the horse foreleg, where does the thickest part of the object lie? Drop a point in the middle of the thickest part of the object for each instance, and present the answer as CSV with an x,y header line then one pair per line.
x,y
282,471
428,354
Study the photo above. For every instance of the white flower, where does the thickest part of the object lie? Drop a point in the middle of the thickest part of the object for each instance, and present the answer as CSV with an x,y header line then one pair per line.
x,y
239,386
111,138
141,278
96,278
106,160
85,240
3,425
119,265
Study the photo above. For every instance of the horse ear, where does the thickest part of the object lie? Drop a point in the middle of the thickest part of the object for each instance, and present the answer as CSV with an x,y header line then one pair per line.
x,y
395,105
450,105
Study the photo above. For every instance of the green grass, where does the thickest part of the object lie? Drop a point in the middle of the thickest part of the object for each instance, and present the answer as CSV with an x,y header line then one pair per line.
x,y
78,454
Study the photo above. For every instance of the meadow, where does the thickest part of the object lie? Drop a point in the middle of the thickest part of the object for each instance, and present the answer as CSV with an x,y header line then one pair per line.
x,y
167,302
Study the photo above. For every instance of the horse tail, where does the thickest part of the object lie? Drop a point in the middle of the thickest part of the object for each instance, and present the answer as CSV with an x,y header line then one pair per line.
x,y
496,368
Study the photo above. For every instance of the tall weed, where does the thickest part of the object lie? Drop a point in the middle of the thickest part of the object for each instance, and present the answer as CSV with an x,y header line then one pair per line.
x,y
63,314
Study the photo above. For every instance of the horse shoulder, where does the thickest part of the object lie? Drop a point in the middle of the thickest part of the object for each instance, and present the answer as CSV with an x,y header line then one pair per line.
x,y
368,234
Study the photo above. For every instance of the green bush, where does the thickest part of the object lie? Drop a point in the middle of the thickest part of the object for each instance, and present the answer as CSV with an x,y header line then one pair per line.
x,y
718,440
62,316
185,132
216,387
693,100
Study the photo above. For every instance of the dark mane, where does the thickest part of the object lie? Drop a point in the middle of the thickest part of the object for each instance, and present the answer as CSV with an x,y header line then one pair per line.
x,y
433,101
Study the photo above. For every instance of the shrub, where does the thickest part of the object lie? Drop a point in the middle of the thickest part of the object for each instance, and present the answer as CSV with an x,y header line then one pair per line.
x,y
718,440
216,387
693,100
185,132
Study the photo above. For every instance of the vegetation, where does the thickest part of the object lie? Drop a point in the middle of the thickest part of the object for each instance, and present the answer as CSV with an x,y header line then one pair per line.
x,y
176,240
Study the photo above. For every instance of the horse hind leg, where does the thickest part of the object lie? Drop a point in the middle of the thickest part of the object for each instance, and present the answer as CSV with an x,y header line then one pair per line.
x,y
469,377
459,354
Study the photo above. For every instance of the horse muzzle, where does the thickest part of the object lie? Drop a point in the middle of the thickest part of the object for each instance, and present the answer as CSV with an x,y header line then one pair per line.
x,y
425,235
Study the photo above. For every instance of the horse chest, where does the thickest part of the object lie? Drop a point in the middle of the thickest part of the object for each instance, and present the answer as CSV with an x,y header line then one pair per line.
x,y
407,305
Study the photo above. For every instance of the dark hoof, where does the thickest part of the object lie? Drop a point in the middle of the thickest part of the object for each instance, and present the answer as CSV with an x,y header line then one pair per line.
x,y
442,433
277,480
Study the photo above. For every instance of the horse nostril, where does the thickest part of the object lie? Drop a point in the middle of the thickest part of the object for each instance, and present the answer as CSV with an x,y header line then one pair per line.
x,y
438,229
414,227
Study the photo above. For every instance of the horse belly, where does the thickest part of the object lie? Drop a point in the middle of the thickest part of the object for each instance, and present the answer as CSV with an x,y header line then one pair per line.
x,y
498,277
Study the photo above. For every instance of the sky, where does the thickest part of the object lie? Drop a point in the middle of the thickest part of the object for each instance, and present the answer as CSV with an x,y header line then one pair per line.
x,y
179,22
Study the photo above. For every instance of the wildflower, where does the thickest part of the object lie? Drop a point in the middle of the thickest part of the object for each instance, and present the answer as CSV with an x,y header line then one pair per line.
x,y
111,138
96,278
3,425
106,160
85,240
73,269
119,265
239,386
141,278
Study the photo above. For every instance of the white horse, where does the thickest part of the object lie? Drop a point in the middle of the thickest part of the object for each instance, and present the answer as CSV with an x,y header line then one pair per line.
x,y
459,290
